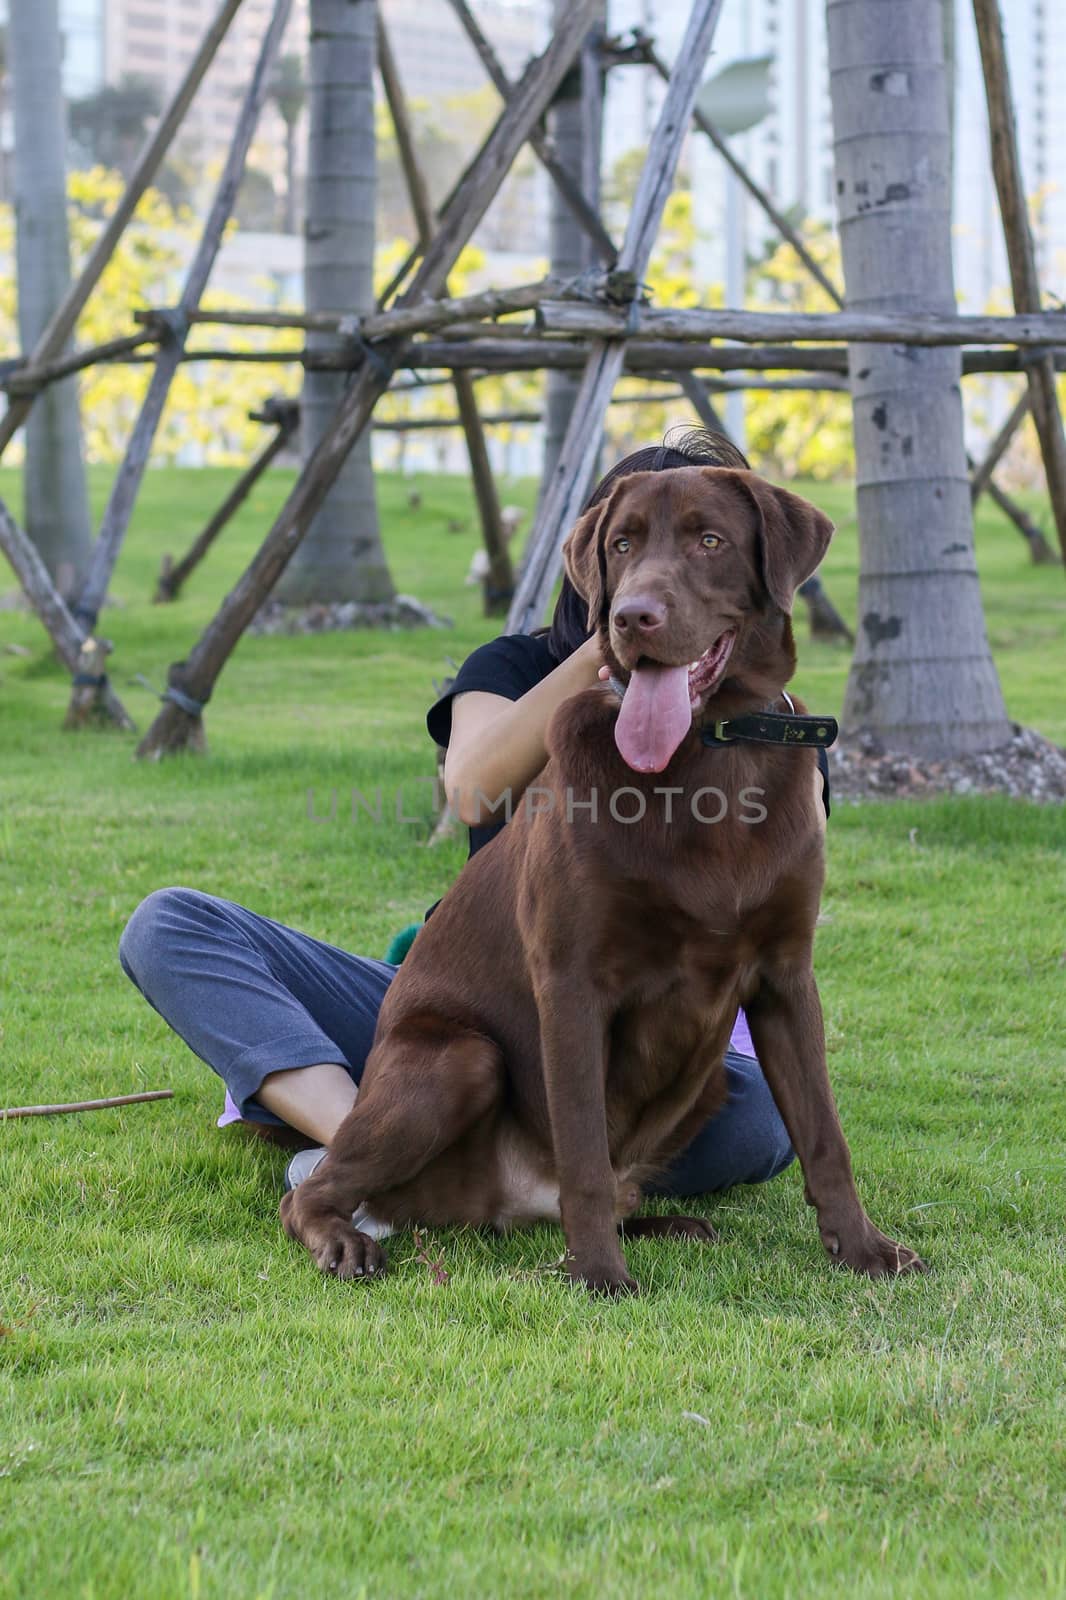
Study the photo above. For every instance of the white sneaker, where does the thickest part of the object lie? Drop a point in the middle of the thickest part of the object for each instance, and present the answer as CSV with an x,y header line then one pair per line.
x,y
304,1162
302,1165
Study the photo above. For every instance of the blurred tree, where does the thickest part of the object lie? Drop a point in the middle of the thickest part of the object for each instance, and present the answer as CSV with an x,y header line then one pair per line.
x,y
288,92
257,204
110,126
341,557
922,676
56,506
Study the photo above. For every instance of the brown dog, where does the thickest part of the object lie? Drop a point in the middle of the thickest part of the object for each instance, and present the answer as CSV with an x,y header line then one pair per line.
x,y
556,1033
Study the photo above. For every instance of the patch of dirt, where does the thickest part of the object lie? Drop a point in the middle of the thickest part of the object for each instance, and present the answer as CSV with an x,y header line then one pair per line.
x,y
402,612
1028,767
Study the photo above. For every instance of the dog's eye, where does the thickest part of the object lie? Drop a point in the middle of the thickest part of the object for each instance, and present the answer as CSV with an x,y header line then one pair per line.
x,y
621,545
710,541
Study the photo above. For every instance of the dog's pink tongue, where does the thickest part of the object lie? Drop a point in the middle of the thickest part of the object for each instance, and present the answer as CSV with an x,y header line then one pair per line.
x,y
656,714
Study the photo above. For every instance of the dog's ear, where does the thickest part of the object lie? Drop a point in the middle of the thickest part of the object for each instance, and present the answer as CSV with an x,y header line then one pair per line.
x,y
793,536
585,562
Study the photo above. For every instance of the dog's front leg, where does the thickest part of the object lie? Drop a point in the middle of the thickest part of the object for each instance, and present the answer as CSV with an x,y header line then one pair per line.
x,y
574,1056
785,1017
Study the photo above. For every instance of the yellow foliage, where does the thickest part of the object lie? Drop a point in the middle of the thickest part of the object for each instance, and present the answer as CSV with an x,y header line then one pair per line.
x,y
206,414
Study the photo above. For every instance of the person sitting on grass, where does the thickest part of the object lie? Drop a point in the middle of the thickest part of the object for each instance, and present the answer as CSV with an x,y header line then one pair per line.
x,y
287,1021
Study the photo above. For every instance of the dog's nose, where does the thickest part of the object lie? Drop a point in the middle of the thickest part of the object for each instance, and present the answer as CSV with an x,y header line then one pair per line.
x,y
641,613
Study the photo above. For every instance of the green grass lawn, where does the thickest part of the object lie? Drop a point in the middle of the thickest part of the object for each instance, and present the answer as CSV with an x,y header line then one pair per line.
x,y
188,1409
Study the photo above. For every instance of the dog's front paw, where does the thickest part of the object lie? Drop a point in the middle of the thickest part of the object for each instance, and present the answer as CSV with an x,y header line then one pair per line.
x,y
339,1250
868,1251
602,1278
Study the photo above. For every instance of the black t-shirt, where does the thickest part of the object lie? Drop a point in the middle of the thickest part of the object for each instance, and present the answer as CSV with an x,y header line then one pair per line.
x,y
509,666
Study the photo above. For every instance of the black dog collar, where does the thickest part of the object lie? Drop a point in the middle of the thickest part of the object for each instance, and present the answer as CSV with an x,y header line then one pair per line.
x,y
778,727
773,727
765,727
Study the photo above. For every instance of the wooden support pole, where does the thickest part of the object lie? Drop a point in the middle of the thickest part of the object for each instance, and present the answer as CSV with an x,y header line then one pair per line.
x,y
488,354
982,474
27,381
471,317
128,481
59,329
1040,552
492,419
758,194
50,607
571,191
179,724
1021,254
698,398
174,575
422,316
600,321
499,579
825,620
586,214
561,501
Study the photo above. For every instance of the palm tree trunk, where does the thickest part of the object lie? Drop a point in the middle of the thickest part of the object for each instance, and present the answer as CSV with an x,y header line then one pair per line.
x,y
575,127
342,556
55,498
922,676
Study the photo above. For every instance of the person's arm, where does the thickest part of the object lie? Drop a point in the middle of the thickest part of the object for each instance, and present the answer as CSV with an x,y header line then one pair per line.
x,y
497,744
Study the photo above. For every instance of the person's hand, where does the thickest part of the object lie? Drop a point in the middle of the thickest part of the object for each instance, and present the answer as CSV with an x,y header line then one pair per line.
x,y
590,654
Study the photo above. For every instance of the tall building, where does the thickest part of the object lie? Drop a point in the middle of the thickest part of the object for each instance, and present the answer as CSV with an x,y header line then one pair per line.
x,y
155,40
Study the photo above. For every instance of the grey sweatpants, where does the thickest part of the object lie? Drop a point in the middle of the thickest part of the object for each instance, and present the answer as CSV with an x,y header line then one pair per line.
x,y
250,997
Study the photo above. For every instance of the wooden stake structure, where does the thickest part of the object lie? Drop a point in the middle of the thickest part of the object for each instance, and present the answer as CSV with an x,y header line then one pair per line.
x,y
602,329
499,580
52,609
23,380
572,193
128,481
59,329
1000,444
646,48
981,480
175,574
482,353
1021,254
16,545
604,321
561,502
826,621
190,683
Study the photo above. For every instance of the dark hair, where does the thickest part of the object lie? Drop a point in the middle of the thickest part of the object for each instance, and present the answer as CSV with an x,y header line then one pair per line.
x,y
682,447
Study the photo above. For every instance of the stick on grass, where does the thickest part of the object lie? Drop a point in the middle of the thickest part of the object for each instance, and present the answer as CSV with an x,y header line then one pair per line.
x,y
86,1105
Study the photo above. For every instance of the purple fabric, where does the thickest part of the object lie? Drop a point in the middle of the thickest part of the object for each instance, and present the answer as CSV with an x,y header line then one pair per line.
x,y
740,1038
740,1041
229,1113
